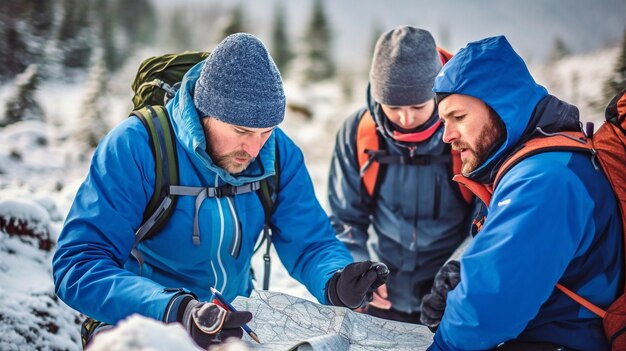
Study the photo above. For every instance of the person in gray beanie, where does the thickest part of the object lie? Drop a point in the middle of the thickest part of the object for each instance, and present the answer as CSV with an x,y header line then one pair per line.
x,y
390,188
224,117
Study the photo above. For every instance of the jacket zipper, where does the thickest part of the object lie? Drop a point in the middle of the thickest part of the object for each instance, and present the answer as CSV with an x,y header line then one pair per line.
x,y
437,198
235,246
219,246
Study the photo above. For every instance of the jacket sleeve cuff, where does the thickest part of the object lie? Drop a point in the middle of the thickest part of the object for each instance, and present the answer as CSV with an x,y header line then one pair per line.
x,y
176,307
331,291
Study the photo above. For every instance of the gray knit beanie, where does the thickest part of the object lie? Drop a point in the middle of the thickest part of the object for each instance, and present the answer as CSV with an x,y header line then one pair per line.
x,y
240,84
404,67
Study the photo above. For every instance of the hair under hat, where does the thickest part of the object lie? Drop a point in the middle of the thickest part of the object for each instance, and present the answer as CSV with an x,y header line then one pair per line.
x,y
404,67
239,84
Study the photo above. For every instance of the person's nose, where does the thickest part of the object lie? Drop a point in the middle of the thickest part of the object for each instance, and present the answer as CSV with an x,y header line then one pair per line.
x,y
253,144
450,133
406,118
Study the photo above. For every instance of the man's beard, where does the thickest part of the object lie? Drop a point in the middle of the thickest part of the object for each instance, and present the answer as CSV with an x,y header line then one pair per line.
x,y
228,163
490,134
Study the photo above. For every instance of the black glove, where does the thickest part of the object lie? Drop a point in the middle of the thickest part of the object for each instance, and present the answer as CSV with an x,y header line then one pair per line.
x,y
210,324
434,303
354,285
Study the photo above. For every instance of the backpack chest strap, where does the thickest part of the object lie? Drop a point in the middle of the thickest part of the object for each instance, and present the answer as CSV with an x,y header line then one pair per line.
x,y
201,193
381,156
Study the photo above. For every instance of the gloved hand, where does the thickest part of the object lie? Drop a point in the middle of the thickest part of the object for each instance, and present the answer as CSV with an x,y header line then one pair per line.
x,y
210,324
354,285
434,303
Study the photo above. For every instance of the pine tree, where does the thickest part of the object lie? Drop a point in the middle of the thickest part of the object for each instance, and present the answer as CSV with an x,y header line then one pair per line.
x,y
41,17
74,35
15,55
14,51
91,126
575,95
51,65
42,22
617,81
139,22
318,63
444,41
231,24
25,30
22,104
180,34
281,52
559,50
377,31
104,15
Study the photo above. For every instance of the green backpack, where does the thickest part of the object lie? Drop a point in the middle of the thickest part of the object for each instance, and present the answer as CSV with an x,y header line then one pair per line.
x,y
157,76
154,83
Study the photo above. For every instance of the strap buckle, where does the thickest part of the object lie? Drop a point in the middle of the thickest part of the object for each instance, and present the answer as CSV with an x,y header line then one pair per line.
x,y
222,191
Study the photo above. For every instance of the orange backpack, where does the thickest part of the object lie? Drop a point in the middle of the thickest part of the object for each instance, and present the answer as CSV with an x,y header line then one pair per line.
x,y
608,146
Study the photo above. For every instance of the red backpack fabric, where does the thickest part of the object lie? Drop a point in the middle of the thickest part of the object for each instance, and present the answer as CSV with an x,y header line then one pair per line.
x,y
608,147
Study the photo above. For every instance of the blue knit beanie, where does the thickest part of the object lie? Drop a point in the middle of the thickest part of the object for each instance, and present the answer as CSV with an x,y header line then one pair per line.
x,y
239,84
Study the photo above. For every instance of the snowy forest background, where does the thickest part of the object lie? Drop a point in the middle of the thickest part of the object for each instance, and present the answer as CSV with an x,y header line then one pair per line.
x,y
66,67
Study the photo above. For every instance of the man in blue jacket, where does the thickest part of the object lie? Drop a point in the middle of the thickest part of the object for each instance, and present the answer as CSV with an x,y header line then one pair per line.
x,y
224,117
552,218
416,216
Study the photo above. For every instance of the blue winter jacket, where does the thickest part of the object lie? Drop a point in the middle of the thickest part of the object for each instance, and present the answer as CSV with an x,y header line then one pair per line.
x,y
93,270
553,219
417,219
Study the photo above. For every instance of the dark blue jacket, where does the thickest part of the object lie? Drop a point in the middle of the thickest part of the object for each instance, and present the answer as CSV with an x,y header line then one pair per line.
x,y
553,218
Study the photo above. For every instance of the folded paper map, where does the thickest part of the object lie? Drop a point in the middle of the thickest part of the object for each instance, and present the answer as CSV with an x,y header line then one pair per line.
x,y
285,322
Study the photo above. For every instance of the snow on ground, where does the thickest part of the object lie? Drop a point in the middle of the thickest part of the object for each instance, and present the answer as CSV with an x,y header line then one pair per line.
x,y
30,312
144,334
41,169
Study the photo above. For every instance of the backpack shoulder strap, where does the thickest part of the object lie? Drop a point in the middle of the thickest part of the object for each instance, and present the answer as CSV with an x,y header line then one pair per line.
x,y
268,194
573,141
163,145
563,141
368,146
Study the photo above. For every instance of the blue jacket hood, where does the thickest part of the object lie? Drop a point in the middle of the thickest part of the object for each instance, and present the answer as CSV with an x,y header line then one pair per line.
x,y
493,72
188,128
